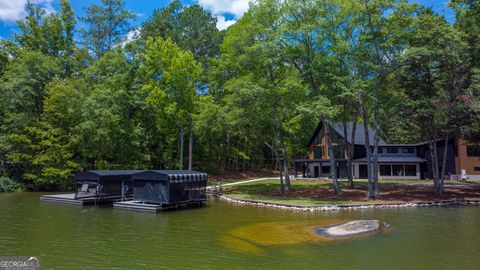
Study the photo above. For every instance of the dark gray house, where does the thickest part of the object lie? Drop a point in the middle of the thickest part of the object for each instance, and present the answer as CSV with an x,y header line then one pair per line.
x,y
395,161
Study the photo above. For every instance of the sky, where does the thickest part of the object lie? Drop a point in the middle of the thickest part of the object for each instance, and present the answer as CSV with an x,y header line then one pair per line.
x,y
226,11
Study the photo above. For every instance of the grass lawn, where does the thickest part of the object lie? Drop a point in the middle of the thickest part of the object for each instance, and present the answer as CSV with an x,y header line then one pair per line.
x,y
320,192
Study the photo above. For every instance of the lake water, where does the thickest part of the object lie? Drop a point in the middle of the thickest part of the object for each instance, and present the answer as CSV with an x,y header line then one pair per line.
x,y
227,236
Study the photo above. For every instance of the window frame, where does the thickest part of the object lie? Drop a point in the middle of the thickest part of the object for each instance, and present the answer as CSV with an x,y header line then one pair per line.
x,y
475,152
412,166
385,165
390,148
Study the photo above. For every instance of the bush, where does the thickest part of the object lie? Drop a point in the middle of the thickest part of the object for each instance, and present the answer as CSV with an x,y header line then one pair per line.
x,y
8,185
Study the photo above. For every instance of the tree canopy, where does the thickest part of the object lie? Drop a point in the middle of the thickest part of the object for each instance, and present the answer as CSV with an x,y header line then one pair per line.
x,y
249,97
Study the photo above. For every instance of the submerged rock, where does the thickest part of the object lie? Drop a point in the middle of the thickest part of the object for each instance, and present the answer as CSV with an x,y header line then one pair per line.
x,y
351,229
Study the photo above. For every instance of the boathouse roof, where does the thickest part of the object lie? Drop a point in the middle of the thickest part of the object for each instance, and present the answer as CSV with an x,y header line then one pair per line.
x,y
170,175
97,174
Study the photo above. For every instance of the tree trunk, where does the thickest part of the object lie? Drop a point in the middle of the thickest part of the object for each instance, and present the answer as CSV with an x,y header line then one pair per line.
x,y
282,187
376,138
367,146
190,145
227,163
351,150
434,157
333,166
285,167
181,147
277,164
444,164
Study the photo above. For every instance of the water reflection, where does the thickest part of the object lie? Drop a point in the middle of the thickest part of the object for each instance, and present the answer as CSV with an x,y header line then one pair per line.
x,y
227,236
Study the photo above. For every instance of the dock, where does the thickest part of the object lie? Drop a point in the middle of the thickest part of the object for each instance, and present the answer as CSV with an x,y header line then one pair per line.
x,y
149,207
70,199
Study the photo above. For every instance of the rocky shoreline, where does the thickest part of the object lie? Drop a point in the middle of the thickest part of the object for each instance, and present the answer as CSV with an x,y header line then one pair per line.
x,y
347,207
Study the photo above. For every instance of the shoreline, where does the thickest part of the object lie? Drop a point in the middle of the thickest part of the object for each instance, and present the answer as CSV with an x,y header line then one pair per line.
x,y
326,208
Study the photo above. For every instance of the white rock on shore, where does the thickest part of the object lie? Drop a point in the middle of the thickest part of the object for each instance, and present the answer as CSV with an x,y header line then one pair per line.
x,y
348,207
352,228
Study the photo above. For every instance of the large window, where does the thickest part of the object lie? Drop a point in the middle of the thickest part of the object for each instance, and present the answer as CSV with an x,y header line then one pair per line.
x,y
408,150
317,152
319,138
392,150
410,170
476,169
338,152
473,150
385,170
335,137
360,151
397,170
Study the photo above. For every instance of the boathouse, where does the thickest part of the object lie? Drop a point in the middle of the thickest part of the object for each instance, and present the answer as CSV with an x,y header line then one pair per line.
x,y
169,187
104,184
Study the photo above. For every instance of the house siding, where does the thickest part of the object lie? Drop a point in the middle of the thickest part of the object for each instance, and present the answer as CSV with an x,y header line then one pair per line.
x,y
464,162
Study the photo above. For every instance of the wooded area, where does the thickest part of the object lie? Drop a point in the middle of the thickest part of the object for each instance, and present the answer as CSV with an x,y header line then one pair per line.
x,y
248,97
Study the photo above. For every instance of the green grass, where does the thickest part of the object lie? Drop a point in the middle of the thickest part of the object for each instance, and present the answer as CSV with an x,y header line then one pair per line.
x,y
256,191
289,201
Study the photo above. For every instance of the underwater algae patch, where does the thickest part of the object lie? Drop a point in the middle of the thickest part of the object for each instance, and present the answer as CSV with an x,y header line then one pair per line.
x,y
255,237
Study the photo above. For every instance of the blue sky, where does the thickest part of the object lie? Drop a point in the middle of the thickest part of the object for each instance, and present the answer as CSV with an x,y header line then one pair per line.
x,y
227,11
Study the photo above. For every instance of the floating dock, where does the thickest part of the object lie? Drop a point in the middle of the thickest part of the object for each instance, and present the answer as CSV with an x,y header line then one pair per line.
x,y
149,207
70,199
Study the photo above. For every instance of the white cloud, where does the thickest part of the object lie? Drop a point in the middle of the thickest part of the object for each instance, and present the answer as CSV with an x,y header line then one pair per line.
x,y
220,8
12,10
222,23
131,36
235,7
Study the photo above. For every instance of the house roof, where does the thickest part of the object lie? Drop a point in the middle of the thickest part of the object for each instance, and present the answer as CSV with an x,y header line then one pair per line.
x,y
394,159
359,133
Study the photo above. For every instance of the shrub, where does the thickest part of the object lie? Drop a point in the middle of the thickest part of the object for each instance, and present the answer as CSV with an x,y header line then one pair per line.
x,y
9,185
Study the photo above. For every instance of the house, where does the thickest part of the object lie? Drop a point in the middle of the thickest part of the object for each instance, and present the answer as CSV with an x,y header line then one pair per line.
x,y
395,161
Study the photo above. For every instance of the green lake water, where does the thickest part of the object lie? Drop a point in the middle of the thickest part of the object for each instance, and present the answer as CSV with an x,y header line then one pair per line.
x,y
227,236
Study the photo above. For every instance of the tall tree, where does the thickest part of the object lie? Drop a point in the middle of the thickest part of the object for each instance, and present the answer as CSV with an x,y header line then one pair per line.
x,y
51,34
106,25
22,91
171,76
385,27
434,81
191,28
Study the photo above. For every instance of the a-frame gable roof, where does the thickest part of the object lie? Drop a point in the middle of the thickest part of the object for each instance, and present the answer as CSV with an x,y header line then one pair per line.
x,y
359,133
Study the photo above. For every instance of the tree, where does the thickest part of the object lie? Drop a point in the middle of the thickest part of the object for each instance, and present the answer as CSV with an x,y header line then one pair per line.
x,y
384,27
467,20
192,29
51,34
22,91
106,25
434,82
171,76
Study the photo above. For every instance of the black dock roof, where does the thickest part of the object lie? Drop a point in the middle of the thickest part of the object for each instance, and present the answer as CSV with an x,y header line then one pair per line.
x,y
97,174
147,175
170,175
